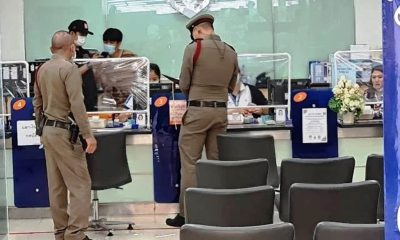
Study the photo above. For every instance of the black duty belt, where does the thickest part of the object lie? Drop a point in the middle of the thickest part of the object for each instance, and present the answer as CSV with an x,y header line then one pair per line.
x,y
59,124
213,104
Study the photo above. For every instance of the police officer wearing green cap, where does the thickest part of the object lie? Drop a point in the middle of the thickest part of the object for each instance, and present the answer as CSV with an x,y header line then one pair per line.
x,y
209,71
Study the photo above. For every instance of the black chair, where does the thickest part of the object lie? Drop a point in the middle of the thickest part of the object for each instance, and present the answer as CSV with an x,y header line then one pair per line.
x,y
108,168
281,231
374,171
345,202
349,231
231,174
330,170
244,147
230,207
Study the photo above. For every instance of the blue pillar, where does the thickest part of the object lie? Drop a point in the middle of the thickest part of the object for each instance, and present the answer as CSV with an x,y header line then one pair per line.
x,y
391,56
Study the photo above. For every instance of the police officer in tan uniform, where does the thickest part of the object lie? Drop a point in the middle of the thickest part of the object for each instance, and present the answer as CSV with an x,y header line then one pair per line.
x,y
209,72
58,94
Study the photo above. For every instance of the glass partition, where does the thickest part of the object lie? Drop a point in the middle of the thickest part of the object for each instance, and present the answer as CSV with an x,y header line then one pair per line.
x,y
264,86
311,30
116,85
156,30
3,179
365,69
307,30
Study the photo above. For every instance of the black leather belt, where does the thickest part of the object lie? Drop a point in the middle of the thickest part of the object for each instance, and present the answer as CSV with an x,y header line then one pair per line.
x,y
59,124
213,104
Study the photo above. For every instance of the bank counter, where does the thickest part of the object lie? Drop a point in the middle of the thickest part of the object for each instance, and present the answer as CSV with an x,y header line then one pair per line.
x,y
153,156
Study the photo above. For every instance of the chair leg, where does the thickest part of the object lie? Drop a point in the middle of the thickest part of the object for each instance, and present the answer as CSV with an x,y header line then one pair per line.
x,y
102,223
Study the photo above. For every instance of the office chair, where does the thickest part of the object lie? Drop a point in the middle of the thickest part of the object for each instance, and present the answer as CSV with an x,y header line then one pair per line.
x,y
233,147
230,207
374,171
349,231
108,168
329,170
281,231
310,204
231,174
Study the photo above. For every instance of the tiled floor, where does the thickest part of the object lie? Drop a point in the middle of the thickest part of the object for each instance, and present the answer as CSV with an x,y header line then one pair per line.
x,y
147,227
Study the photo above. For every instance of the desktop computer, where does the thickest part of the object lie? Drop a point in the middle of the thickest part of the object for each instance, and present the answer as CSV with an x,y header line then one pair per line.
x,y
278,89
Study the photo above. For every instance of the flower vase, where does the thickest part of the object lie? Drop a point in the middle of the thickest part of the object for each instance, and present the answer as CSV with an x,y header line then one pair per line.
x,y
348,118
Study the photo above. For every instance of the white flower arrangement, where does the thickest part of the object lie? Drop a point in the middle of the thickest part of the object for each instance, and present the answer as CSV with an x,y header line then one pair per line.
x,y
348,97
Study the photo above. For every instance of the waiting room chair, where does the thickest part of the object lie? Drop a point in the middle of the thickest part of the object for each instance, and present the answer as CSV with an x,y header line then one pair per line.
x,y
349,231
281,231
244,147
329,170
108,168
310,204
230,207
231,174
374,171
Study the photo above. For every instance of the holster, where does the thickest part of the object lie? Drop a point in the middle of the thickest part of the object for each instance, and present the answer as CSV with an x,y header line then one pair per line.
x,y
40,125
74,133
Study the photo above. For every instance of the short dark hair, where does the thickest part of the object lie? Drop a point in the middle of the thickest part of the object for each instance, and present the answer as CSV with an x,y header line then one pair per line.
x,y
156,69
112,34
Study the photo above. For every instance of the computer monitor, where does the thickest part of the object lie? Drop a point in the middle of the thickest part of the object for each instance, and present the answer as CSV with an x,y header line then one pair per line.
x,y
160,88
278,89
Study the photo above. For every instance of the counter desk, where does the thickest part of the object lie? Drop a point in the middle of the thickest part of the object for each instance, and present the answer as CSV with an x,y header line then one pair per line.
x,y
358,140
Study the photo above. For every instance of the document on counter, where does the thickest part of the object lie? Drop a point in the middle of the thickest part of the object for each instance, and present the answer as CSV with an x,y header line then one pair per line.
x,y
26,133
315,125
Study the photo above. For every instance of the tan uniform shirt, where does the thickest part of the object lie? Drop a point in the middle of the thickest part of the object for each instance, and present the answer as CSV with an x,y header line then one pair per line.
x,y
58,92
215,71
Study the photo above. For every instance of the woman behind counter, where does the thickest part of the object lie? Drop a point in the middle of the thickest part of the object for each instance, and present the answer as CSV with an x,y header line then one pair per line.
x,y
374,92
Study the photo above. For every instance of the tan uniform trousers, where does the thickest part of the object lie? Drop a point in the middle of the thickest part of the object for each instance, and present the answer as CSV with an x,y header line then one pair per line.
x,y
67,171
200,128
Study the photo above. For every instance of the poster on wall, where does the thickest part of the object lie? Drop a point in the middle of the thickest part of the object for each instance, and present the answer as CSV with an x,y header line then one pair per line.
x,y
177,109
315,125
391,61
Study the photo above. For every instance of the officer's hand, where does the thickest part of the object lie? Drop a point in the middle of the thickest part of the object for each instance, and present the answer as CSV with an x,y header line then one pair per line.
x,y
91,144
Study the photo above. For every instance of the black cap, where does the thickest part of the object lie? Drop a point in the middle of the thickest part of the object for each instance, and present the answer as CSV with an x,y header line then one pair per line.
x,y
79,26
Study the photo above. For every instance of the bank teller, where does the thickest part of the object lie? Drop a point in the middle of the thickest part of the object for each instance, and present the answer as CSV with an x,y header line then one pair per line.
x,y
247,95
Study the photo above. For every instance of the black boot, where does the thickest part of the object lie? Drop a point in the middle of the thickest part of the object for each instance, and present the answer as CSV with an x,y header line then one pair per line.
x,y
178,221
87,238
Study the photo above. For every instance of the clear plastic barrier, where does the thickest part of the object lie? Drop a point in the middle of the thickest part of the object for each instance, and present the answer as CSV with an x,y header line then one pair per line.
x,y
15,82
116,85
268,74
363,68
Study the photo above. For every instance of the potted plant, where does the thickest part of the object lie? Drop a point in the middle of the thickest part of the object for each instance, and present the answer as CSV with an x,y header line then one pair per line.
x,y
347,100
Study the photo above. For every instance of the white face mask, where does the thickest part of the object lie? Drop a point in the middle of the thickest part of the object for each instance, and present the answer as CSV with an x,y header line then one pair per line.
x,y
109,48
80,41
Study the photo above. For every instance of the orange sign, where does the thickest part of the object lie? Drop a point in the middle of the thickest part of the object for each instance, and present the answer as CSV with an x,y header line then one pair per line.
x,y
299,97
161,101
20,104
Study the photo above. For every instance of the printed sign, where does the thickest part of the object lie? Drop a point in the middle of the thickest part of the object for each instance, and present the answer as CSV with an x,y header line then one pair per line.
x,y
315,125
26,133
176,110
